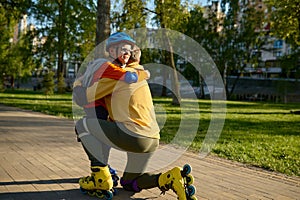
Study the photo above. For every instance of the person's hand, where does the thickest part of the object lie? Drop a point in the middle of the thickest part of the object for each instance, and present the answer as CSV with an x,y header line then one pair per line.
x,y
148,74
77,82
79,96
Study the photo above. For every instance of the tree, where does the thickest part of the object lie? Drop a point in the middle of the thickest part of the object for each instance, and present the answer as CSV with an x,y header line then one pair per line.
x,y
133,15
64,25
285,19
197,28
103,21
171,14
285,24
48,83
15,50
20,59
5,36
233,45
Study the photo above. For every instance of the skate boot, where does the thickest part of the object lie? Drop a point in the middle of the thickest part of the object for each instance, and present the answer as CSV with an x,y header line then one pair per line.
x,y
180,181
99,184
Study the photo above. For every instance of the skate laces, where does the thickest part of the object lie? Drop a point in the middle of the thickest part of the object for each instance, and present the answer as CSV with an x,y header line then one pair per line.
x,y
166,187
88,179
169,185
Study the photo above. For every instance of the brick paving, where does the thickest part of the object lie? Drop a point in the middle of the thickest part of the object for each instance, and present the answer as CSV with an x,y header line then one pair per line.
x,y
40,159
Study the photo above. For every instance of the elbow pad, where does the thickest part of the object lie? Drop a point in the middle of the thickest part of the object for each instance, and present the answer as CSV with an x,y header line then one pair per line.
x,y
131,77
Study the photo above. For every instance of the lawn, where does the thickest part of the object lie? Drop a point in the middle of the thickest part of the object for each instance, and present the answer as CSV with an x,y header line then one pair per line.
x,y
260,134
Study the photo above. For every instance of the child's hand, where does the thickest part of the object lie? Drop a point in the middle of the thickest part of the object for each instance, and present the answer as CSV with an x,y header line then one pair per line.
x,y
148,74
77,82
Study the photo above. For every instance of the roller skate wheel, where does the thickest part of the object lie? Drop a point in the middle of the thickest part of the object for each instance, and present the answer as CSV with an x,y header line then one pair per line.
x,y
115,180
186,169
83,191
115,191
191,190
109,195
91,193
99,194
193,198
115,184
189,179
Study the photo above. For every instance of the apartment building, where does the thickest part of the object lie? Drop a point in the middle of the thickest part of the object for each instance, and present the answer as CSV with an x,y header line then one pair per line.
x,y
273,49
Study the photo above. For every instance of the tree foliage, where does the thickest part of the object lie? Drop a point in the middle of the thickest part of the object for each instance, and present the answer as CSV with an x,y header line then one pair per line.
x,y
64,28
133,15
16,59
233,44
285,24
64,25
48,83
285,19
171,14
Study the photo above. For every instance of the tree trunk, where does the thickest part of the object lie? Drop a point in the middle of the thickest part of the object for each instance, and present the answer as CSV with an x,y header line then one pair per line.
x,y
61,41
225,77
201,84
169,58
103,22
174,77
60,53
165,76
12,82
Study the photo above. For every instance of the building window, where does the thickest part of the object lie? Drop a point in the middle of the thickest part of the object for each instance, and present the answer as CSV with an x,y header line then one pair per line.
x,y
278,44
277,54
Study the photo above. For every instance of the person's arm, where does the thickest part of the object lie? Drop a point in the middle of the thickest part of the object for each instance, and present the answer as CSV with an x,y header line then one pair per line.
x,y
112,71
109,70
143,75
141,72
100,89
83,96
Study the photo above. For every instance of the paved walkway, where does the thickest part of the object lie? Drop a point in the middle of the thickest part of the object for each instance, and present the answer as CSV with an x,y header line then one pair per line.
x,y
40,159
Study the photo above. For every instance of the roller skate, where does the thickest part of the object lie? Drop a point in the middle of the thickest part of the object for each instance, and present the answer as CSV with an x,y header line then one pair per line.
x,y
114,176
99,184
180,181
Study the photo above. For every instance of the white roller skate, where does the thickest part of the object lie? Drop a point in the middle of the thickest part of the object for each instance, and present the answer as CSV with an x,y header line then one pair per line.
x,y
180,181
99,184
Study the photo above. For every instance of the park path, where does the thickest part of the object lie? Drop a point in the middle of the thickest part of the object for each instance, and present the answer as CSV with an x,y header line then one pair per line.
x,y
40,159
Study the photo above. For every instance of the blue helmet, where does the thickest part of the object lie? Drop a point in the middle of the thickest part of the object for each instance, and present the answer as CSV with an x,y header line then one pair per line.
x,y
117,38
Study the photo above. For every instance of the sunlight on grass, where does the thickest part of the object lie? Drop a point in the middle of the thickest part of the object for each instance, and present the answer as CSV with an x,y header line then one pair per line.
x,y
261,134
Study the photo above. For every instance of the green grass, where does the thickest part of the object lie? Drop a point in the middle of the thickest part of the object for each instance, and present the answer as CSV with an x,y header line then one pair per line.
x,y
59,105
260,134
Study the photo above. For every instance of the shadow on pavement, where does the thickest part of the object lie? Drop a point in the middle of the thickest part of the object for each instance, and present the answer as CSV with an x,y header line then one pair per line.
x,y
52,181
73,194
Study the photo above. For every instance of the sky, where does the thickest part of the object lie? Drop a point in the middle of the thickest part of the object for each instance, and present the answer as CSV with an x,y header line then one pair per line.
x,y
202,2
